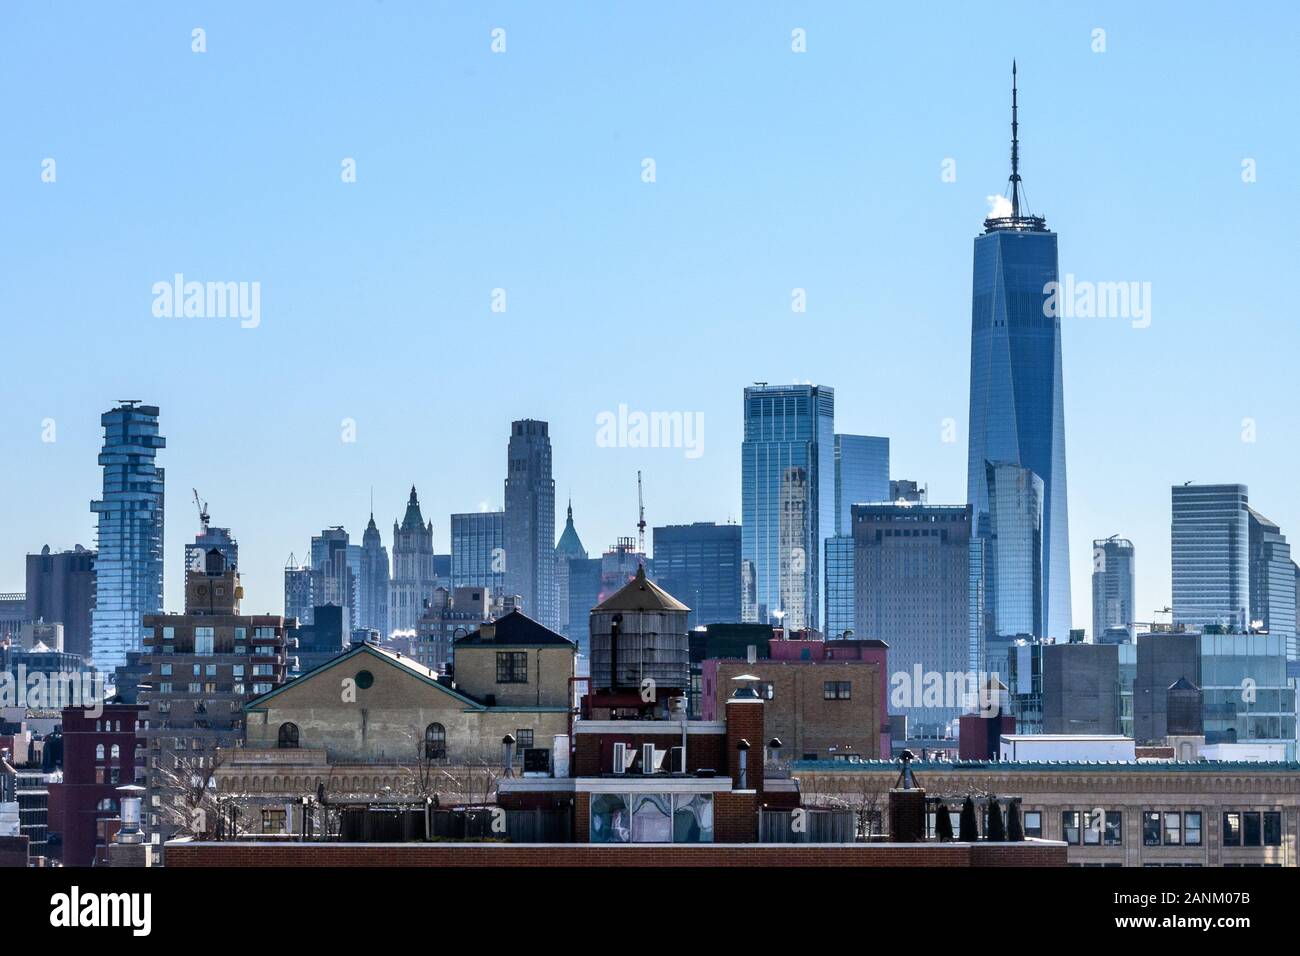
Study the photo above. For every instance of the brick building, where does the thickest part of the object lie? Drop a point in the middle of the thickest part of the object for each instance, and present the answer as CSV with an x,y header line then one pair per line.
x,y
100,754
824,699
204,665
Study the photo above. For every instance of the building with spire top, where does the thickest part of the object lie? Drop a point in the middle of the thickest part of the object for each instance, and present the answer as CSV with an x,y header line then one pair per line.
x,y
567,549
372,597
413,581
1017,414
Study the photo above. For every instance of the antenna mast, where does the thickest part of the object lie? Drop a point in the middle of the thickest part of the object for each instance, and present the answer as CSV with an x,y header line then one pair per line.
x,y
640,524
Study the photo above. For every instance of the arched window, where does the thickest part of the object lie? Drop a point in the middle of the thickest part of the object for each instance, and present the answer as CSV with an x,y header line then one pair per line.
x,y
115,753
99,751
288,736
435,742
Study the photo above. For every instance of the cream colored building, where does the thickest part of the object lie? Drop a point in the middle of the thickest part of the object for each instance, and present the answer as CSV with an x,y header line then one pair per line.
x,y
1156,813
372,723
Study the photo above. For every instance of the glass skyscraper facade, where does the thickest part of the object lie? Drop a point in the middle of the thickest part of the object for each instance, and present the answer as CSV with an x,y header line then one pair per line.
x,y
1272,581
1013,552
1017,411
861,475
1112,589
1209,541
699,564
478,542
129,568
1248,697
839,587
787,464
911,590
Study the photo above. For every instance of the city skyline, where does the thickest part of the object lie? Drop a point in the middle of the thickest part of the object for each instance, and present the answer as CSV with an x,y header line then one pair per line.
x,y
1119,476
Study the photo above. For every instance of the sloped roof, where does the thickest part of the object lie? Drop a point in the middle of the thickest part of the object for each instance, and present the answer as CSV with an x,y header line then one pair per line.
x,y
640,594
570,545
514,629
407,664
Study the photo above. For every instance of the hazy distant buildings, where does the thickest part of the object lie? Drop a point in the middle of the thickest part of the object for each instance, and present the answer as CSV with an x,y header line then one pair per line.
x,y
333,572
861,476
787,463
372,583
414,578
700,564
567,549
207,539
912,590
61,589
1272,581
530,521
1017,409
1210,544
297,591
478,550
129,566
1112,587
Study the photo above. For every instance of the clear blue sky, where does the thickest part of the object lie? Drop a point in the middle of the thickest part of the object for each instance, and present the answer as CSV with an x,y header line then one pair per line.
x,y
522,171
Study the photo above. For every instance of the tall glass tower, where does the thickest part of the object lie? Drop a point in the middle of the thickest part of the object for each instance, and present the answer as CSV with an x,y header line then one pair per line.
x,y
861,476
1210,551
1112,589
129,569
787,464
1016,403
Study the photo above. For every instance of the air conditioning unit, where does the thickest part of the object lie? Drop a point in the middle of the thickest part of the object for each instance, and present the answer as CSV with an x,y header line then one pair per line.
x,y
621,758
648,758
677,760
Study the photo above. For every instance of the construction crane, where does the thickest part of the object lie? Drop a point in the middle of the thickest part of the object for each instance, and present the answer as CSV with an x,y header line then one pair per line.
x,y
203,509
640,524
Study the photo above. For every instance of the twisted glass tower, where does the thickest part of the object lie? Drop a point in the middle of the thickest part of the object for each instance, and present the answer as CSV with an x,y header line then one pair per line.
x,y
1016,402
129,569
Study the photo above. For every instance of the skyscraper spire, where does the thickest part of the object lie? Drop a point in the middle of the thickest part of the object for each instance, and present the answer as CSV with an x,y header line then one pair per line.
x,y
1015,148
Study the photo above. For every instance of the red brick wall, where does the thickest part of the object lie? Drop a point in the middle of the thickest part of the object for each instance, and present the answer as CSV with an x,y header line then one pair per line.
x,y
745,722
735,817
506,854
594,753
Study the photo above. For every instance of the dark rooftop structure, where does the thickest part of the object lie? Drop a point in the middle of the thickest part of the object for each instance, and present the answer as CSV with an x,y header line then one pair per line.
x,y
514,629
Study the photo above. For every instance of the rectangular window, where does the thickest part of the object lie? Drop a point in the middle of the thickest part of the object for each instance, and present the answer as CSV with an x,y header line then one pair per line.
x,y
203,640
1192,828
523,738
1070,826
273,821
1094,824
1250,830
1272,828
1173,829
1033,823
512,667
837,690
1232,829
1114,835
1151,828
